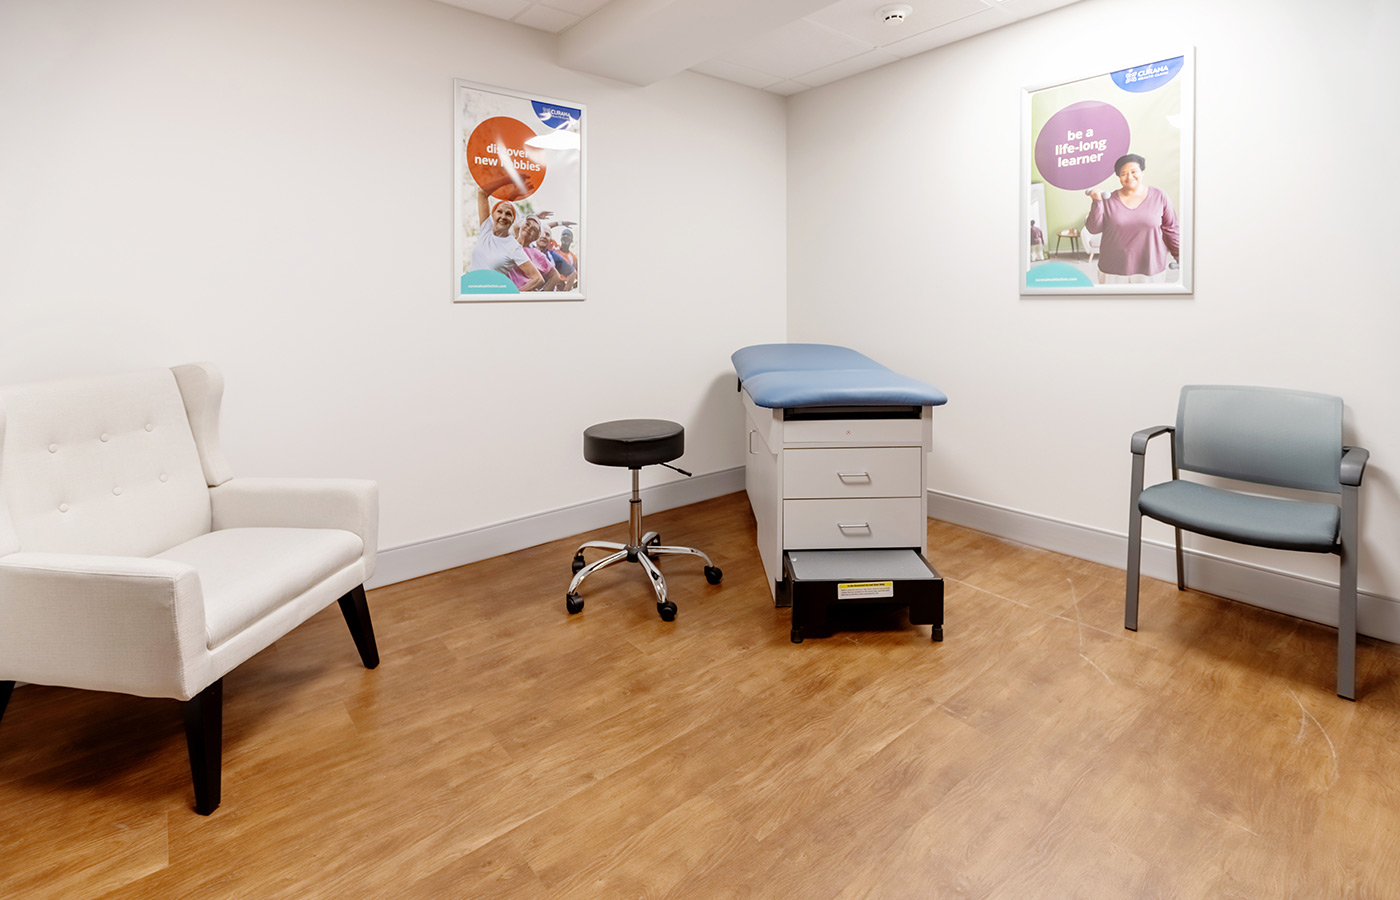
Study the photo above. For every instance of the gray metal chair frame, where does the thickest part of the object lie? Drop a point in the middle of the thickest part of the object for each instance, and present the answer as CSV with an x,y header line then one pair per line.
x,y
1265,436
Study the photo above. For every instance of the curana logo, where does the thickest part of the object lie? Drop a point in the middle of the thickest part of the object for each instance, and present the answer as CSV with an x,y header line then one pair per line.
x,y
1148,77
555,116
1132,75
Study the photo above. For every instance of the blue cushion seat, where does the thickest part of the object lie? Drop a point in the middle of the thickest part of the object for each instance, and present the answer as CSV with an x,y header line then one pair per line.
x,y
1244,518
784,376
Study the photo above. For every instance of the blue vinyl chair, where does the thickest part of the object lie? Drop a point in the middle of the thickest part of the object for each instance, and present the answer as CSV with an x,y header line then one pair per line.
x,y
1268,436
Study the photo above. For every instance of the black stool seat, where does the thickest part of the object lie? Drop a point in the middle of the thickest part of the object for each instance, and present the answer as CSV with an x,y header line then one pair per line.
x,y
633,442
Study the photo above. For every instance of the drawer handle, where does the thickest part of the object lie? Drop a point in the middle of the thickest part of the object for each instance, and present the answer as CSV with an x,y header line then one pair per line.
x,y
852,526
847,476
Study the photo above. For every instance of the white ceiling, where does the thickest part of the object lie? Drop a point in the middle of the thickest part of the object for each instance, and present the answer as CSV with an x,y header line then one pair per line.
x,y
782,46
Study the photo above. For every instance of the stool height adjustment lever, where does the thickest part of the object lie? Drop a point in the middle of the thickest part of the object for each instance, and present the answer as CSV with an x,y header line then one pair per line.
x,y
678,469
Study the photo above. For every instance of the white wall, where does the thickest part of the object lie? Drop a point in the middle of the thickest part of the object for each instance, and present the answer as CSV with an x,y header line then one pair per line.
x,y
903,198
268,185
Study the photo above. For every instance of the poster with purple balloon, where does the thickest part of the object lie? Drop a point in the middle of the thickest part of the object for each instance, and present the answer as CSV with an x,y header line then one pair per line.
x,y
1107,182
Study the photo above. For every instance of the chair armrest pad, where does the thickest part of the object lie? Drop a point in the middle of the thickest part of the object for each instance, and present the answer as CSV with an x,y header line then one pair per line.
x,y
1353,465
108,623
344,503
1140,438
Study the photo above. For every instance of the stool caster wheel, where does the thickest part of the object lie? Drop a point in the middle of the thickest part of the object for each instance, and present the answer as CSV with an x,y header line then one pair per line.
x,y
573,603
578,562
797,635
713,574
938,632
666,610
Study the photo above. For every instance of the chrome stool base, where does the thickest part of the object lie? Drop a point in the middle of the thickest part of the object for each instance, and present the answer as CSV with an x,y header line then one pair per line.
x,y
641,549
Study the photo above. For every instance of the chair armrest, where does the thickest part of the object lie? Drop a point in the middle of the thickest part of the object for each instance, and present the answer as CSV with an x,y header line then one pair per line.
x,y
1353,465
106,623
344,503
1140,438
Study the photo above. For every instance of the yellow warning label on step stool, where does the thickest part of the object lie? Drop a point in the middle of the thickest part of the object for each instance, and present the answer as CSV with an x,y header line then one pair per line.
x,y
864,590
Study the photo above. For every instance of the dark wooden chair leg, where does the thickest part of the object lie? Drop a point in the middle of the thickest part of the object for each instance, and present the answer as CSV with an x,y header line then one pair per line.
x,y
356,611
204,733
6,689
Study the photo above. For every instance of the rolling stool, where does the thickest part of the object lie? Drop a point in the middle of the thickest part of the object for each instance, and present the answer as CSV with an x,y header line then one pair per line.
x,y
635,443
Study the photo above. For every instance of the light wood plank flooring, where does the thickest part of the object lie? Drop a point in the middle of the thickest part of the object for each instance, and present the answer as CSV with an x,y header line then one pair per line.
x,y
505,749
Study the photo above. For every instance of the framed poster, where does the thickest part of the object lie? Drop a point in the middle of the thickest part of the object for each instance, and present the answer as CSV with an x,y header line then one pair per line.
x,y
1106,181
518,204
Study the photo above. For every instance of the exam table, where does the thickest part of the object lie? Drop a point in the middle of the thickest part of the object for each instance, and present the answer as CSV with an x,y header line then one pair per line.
x,y
836,476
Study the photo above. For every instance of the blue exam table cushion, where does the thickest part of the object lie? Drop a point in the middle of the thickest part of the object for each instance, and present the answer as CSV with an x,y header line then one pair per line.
x,y
840,387
760,358
783,376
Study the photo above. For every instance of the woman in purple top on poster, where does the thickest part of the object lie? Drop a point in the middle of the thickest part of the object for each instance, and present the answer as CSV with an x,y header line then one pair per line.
x,y
1141,235
527,233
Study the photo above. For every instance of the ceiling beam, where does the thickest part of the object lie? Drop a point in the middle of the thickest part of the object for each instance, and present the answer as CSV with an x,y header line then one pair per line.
x,y
643,41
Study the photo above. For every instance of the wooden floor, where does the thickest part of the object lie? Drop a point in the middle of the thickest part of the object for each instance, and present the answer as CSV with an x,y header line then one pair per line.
x,y
505,749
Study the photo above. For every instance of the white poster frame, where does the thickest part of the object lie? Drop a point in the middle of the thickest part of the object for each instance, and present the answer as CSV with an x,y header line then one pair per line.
x,y
558,149
1057,264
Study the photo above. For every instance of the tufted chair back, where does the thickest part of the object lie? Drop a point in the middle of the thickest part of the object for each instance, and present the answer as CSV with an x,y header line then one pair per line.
x,y
102,466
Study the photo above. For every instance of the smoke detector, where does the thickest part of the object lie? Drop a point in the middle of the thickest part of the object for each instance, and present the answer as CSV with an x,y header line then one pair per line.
x,y
894,15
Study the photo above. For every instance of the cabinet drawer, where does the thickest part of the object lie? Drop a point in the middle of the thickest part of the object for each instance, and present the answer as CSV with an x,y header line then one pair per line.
x,y
850,524
853,431
853,472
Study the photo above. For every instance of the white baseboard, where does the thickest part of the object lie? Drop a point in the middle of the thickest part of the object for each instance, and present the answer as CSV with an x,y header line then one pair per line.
x,y
1284,592
420,558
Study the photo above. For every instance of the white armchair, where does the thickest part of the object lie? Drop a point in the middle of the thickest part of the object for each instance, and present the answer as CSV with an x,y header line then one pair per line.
x,y
132,561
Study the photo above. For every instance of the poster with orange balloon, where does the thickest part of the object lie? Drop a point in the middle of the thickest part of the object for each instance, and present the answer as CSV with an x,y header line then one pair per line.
x,y
519,195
